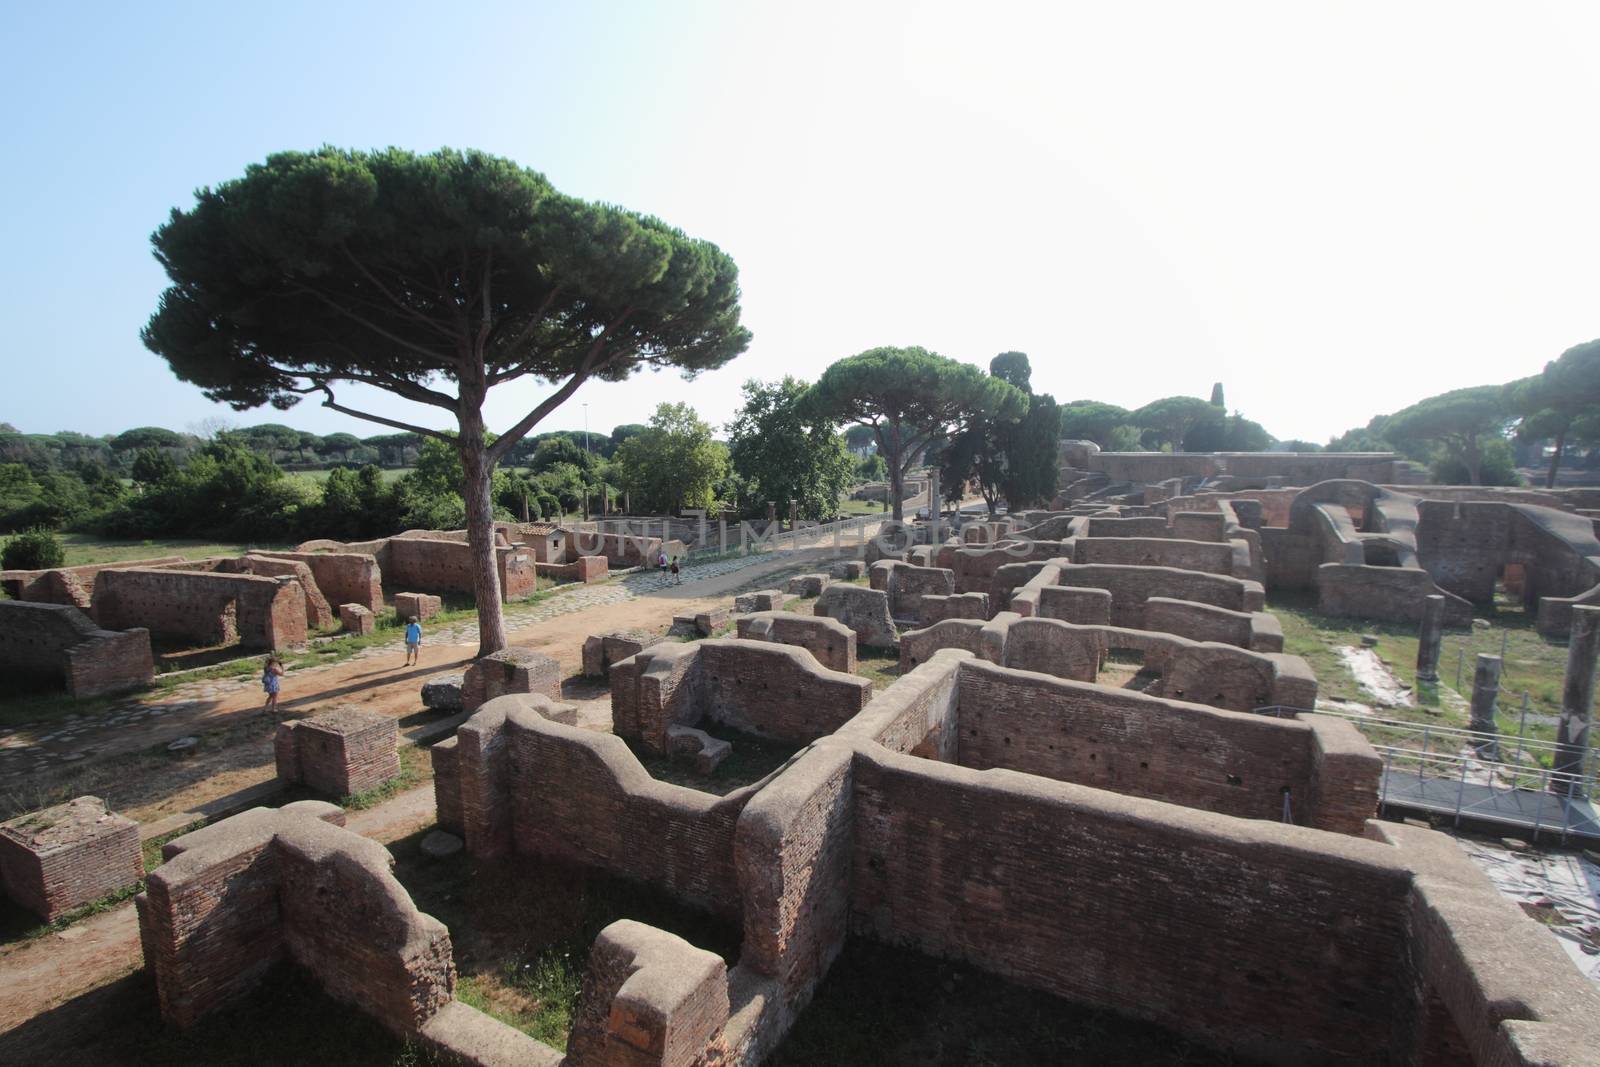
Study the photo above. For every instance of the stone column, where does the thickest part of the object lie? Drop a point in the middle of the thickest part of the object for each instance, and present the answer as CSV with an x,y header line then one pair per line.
x,y
1430,639
1577,695
933,506
1485,690
794,514
772,514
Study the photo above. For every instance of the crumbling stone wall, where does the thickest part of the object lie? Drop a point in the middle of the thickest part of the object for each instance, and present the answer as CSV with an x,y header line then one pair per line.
x,y
69,585
1255,630
271,885
203,607
339,753
866,611
773,690
1210,557
445,566
906,585
1130,586
1141,745
1040,884
319,614
830,642
343,577
59,642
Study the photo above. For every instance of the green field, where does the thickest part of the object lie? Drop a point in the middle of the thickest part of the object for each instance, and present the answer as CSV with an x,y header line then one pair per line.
x,y
86,548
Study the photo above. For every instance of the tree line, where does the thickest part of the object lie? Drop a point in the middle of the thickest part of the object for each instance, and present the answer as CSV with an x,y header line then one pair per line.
x,y
1481,434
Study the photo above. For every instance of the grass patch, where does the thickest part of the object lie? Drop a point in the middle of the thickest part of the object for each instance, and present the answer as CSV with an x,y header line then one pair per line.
x,y
522,929
86,548
416,767
879,667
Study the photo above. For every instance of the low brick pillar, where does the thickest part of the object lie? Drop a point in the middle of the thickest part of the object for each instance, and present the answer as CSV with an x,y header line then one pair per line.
x,y
848,569
511,670
761,600
357,619
64,857
592,569
340,753
648,998
417,606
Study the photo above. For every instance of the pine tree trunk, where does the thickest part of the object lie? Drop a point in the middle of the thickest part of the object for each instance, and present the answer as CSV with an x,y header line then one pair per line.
x,y
480,535
1555,460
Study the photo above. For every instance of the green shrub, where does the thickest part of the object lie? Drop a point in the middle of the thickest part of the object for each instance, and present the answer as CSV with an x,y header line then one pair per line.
x,y
33,550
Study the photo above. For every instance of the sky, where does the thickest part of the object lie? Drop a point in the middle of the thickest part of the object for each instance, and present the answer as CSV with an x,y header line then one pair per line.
x,y
1333,209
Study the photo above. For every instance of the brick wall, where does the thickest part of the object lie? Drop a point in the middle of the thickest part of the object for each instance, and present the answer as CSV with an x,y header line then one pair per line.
x,y
1131,585
69,585
59,641
830,642
1208,556
917,712
906,585
339,753
1281,941
343,577
773,690
281,884
319,614
441,566
66,856
1139,745
203,607
1207,622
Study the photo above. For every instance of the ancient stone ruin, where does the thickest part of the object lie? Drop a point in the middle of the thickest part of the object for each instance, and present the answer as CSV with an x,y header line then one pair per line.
x,y
63,857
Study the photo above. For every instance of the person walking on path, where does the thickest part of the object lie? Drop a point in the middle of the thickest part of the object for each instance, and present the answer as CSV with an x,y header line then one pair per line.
x,y
271,678
676,577
413,640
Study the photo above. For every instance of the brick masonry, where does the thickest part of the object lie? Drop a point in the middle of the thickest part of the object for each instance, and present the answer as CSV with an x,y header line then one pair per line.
x,y
419,606
59,642
830,642
339,753
511,670
59,859
203,607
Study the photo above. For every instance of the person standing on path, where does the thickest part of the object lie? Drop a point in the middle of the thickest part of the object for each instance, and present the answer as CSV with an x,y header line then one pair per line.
x,y
413,640
676,577
271,677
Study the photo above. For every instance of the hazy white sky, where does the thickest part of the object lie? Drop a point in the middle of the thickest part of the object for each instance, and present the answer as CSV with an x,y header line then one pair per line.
x,y
1334,209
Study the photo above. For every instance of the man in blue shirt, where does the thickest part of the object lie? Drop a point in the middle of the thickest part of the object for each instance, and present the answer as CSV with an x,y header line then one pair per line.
x,y
413,640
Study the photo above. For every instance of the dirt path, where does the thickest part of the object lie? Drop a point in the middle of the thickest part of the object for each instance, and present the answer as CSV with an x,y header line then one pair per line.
x,y
126,762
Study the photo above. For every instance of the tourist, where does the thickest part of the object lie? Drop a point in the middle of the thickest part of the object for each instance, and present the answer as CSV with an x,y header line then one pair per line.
x,y
271,674
676,577
661,564
413,640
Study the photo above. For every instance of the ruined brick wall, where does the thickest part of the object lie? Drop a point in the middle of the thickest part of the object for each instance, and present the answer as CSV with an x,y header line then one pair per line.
x,y
59,641
1466,545
1113,526
866,611
1346,777
830,642
203,607
906,585
446,785
275,884
1072,890
1235,678
440,566
917,712
1207,622
69,585
1131,585
975,568
775,690
1132,743
1050,646
956,606
343,577
918,646
1388,594
583,797
1198,525
1208,556
319,615
793,853
338,753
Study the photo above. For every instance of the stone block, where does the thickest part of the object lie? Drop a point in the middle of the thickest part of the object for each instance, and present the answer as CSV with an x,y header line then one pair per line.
x,y
698,747
357,619
711,620
339,753
417,606
866,611
443,693
600,651
760,600
592,568
61,858
808,585
848,569
511,670
830,642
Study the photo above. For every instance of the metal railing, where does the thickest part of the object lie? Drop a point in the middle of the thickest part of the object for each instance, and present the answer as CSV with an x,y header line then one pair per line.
x,y
1464,773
